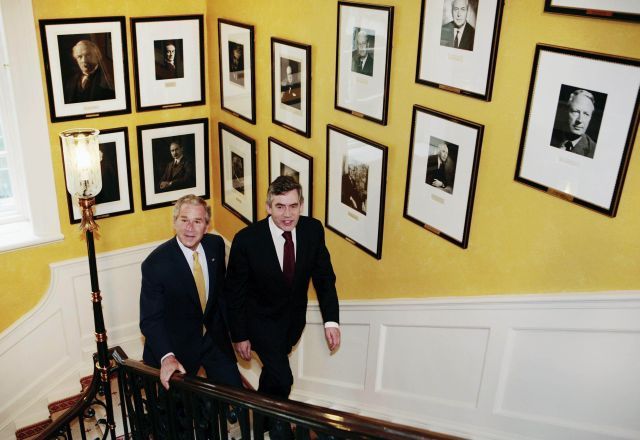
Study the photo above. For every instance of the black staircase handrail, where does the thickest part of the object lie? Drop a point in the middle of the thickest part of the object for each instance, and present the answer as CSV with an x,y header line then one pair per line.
x,y
86,400
344,424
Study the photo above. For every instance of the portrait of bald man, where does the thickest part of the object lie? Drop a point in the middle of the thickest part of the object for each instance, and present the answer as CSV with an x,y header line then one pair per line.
x,y
362,55
457,32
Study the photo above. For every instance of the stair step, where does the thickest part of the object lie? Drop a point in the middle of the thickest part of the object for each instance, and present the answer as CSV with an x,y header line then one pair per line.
x,y
32,430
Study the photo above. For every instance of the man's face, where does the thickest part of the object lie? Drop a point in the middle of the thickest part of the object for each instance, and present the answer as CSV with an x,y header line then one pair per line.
x,y
236,53
362,44
459,10
289,75
169,53
285,210
85,57
580,112
443,153
176,151
190,225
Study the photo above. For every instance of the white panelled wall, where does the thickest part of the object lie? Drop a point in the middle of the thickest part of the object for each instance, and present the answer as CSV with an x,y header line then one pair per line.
x,y
502,367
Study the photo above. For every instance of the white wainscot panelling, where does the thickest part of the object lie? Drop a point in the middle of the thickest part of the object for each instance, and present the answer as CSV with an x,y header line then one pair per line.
x,y
344,368
522,367
566,377
53,343
442,364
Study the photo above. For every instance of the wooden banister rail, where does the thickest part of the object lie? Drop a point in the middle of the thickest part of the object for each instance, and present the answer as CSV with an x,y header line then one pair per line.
x,y
326,422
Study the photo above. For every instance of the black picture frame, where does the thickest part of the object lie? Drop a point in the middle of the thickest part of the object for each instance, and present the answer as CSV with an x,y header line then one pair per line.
x,y
286,160
237,69
168,60
291,85
607,10
365,34
103,88
468,68
162,181
580,125
116,197
238,173
442,173
356,184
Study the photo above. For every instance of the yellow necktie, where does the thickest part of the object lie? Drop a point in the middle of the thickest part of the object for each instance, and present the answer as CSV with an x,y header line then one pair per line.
x,y
199,278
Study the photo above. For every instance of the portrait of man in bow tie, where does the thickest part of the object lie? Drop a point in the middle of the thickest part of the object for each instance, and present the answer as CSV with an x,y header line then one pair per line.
x,y
457,31
578,118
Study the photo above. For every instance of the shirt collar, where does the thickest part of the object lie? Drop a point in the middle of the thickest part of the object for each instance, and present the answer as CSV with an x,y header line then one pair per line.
x,y
276,232
188,253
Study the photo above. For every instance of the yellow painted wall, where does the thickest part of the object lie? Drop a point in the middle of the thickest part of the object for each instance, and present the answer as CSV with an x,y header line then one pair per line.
x,y
522,240
25,273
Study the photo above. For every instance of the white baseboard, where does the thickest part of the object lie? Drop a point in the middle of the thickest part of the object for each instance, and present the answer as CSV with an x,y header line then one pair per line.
x,y
517,367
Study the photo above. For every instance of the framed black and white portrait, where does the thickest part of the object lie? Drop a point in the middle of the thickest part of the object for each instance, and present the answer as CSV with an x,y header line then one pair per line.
x,y
442,173
115,197
356,182
363,60
174,161
458,45
291,85
168,61
285,160
238,173
581,120
237,71
616,9
86,67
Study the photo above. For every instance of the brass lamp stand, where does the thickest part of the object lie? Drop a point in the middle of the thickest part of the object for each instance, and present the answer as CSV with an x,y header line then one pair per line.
x,y
84,181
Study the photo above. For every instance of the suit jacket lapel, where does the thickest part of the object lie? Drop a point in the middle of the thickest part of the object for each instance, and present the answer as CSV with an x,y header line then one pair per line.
x,y
212,266
301,249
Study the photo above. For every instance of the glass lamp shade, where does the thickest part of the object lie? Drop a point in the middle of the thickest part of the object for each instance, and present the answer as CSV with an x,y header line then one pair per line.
x,y
81,152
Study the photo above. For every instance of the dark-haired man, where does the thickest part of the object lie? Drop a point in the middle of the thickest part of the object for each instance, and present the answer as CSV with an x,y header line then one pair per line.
x,y
270,265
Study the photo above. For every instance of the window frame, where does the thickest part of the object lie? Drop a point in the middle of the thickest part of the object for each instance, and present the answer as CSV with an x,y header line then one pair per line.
x,y
26,133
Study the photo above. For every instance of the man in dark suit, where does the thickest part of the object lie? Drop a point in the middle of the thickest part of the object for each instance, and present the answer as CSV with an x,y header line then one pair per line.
x,y
458,33
179,173
167,69
441,169
270,265
573,136
92,82
362,58
182,307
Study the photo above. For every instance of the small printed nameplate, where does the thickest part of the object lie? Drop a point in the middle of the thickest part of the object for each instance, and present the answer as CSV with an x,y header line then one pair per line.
x,y
437,199
353,216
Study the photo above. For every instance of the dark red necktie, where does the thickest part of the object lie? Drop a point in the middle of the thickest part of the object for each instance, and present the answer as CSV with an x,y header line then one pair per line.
x,y
289,260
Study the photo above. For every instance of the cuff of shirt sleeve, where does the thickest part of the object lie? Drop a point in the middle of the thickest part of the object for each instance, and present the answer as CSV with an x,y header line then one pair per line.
x,y
330,324
166,356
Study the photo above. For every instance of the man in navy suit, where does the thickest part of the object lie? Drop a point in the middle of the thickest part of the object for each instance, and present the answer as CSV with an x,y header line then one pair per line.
x,y
458,33
180,334
266,290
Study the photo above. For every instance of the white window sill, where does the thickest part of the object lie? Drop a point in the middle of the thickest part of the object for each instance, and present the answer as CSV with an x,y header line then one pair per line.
x,y
20,235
